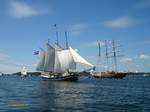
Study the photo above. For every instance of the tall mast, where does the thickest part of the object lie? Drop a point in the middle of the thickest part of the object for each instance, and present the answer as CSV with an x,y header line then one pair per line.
x,y
99,57
48,41
57,40
66,40
106,46
115,56
99,49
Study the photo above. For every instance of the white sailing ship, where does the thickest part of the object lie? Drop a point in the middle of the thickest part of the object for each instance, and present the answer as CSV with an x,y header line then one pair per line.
x,y
60,64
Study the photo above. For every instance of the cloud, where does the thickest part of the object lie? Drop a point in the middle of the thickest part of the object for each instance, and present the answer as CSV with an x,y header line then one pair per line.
x,y
22,9
93,44
77,29
143,56
4,56
143,4
147,42
9,65
126,60
121,22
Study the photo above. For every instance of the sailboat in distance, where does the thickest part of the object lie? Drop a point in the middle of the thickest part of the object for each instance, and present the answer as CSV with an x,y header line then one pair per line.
x,y
57,63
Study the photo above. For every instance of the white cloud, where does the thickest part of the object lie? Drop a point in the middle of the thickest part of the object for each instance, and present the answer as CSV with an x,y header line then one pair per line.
x,y
143,56
77,29
22,9
9,65
122,22
143,4
147,42
126,60
4,56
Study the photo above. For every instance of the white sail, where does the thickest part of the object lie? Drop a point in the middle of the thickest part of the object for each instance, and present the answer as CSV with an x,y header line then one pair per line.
x,y
40,65
57,66
49,58
78,59
66,60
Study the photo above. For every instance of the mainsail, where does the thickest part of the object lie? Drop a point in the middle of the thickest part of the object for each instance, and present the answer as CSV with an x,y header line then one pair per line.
x,y
66,60
40,65
57,66
49,59
78,59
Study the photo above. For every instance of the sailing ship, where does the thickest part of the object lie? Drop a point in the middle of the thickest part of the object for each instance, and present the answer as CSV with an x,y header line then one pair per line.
x,y
108,73
57,63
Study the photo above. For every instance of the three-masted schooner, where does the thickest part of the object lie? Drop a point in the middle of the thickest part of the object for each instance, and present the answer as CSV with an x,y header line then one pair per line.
x,y
58,63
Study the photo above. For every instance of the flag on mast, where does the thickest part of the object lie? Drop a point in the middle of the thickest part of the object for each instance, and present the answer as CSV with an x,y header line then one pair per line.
x,y
55,25
36,52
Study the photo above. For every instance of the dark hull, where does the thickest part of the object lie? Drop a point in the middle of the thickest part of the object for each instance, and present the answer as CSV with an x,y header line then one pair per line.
x,y
73,77
111,75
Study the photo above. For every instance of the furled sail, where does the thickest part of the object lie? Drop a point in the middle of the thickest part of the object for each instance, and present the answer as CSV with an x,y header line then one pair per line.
x,y
66,60
78,59
40,65
49,58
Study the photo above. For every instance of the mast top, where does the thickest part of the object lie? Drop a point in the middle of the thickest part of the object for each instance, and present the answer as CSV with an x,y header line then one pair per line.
x,y
99,48
66,40
57,41
48,41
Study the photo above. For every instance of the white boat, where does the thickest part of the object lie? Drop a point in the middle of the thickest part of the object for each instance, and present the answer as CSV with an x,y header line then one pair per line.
x,y
24,72
1,74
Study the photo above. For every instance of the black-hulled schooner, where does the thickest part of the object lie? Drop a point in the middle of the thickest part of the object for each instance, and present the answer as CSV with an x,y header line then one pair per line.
x,y
58,63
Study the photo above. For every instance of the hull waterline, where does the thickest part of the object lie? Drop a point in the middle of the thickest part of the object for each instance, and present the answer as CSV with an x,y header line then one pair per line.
x,y
73,77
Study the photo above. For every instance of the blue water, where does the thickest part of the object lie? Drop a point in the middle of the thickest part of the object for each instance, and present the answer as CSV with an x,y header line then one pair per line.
x,y
32,94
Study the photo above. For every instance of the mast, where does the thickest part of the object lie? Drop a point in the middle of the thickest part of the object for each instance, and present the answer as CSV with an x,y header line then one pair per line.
x,y
66,40
106,46
48,41
57,40
99,49
114,55
99,57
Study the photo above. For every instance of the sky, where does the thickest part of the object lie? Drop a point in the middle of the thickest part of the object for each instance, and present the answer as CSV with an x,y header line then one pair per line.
x,y
26,25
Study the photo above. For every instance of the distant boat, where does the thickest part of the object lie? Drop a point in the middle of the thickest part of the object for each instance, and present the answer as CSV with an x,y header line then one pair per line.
x,y
108,73
24,72
145,74
60,63
1,74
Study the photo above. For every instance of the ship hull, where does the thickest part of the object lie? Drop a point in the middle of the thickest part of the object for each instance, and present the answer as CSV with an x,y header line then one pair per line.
x,y
73,77
110,75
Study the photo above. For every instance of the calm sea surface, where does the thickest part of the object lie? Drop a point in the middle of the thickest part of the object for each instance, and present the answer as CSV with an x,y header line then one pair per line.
x,y
32,94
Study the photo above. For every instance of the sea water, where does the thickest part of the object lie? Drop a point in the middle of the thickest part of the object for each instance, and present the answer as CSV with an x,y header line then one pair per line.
x,y
33,94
